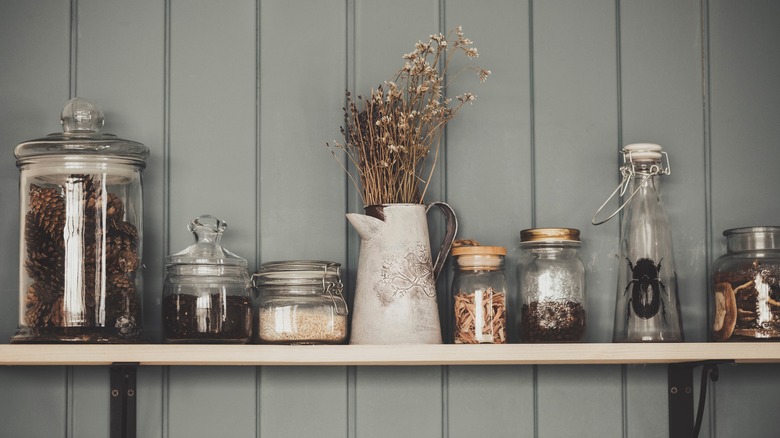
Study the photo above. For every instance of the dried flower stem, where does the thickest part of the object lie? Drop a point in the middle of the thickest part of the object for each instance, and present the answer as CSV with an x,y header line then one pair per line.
x,y
389,135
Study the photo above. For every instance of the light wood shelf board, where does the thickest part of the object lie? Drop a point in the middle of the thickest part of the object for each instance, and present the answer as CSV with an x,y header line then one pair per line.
x,y
389,355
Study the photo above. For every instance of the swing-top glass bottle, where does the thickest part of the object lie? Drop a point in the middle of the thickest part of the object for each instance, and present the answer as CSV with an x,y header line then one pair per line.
x,y
647,305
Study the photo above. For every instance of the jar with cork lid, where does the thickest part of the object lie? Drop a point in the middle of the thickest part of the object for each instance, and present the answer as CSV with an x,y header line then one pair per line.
x,y
479,292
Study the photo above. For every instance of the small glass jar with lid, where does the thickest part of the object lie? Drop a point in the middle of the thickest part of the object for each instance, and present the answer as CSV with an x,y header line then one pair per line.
x,y
81,209
207,297
479,295
745,286
301,302
551,279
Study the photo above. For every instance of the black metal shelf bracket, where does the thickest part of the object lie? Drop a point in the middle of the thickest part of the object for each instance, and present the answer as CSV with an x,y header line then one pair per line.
x,y
123,396
682,423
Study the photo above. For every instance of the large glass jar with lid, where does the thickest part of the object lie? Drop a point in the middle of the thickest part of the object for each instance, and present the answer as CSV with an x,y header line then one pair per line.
x,y
745,286
207,296
301,302
551,278
81,210
479,295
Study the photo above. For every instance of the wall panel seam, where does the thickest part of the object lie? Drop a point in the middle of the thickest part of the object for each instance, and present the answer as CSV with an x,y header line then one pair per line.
x,y
74,23
72,92
350,197
258,186
707,147
166,183
619,110
532,113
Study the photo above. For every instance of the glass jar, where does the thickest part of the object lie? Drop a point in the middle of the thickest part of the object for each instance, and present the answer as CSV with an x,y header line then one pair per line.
x,y
300,302
80,249
745,287
207,293
551,278
479,295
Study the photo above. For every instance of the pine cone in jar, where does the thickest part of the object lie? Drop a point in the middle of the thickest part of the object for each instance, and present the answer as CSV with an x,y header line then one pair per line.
x,y
120,297
125,230
56,317
33,307
47,210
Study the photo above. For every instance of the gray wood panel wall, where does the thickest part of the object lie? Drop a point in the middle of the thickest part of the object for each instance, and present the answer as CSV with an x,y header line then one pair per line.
x,y
236,100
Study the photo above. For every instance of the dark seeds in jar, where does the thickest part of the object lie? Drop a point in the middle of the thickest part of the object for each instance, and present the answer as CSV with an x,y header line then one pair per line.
x,y
186,318
552,321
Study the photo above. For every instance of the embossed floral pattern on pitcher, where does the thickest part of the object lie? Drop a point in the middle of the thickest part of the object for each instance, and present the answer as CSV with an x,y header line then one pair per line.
x,y
395,296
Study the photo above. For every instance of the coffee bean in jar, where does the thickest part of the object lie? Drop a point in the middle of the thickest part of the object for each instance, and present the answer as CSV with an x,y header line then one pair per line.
x,y
551,279
207,293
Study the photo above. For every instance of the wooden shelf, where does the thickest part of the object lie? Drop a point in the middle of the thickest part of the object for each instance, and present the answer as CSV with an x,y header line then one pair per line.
x,y
394,355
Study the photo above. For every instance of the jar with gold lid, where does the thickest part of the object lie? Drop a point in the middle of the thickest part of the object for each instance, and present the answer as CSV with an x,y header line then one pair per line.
x,y
479,295
551,279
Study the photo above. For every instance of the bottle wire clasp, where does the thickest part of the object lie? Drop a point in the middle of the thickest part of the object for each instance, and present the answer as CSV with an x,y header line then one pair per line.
x,y
333,290
629,170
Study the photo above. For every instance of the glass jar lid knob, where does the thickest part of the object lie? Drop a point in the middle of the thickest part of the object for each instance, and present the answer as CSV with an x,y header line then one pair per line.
x,y
80,116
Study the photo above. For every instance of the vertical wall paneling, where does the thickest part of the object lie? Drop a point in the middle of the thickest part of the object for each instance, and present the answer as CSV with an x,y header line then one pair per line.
x,y
236,100
744,395
744,101
399,401
489,153
211,401
647,401
213,119
303,401
489,143
744,67
661,102
302,80
577,401
34,84
394,401
575,113
302,198
212,171
495,398
125,40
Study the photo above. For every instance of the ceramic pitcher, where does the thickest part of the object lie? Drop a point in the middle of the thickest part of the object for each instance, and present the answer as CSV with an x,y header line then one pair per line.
x,y
395,295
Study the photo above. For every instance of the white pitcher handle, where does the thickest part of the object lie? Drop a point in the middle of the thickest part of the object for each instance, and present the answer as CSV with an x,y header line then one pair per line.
x,y
449,236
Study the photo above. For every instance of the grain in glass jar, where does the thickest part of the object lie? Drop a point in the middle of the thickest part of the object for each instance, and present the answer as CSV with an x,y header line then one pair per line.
x,y
479,295
301,302
81,210
745,286
551,278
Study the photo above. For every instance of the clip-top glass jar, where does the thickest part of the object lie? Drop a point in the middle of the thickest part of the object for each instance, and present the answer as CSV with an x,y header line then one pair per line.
x,y
479,295
745,286
207,294
81,233
301,303
551,279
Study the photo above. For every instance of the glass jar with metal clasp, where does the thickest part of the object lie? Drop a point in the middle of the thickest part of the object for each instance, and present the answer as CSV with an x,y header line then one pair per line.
x,y
301,302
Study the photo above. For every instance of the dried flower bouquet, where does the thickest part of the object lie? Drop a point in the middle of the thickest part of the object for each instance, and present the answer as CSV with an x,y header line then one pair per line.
x,y
390,135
